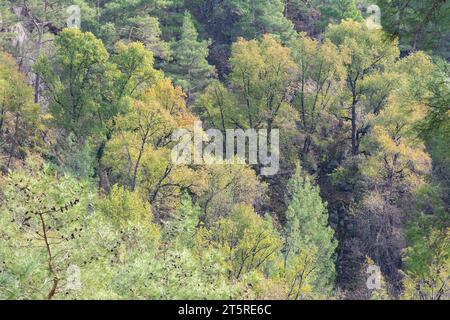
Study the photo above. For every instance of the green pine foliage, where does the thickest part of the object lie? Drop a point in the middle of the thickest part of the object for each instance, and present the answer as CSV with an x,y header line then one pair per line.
x,y
190,68
309,238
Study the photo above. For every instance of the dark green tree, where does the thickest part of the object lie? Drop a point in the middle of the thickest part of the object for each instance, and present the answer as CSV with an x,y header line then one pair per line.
x,y
190,68
335,11
420,25
309,246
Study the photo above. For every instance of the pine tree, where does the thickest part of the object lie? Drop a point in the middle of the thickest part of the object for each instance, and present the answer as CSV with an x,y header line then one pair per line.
x,y
309,245
337,10
190,68
257,18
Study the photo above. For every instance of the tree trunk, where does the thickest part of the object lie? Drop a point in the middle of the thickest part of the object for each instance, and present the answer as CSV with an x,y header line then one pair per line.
x,y
37,82
354,133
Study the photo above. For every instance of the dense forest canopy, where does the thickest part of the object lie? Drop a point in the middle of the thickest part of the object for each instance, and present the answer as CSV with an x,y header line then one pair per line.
x,y
92,205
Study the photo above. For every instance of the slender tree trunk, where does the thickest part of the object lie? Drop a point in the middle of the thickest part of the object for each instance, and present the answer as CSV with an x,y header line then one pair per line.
x,y
2,113
55,280
138,162
354,116
37,82
354,137
307,144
